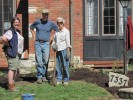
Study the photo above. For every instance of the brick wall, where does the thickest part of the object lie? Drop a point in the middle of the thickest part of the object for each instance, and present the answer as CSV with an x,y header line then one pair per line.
x,y
62,8
56,8
3,61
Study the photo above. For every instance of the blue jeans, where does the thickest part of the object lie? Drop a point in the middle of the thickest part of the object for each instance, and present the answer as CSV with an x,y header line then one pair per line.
x,y
42,57
62,66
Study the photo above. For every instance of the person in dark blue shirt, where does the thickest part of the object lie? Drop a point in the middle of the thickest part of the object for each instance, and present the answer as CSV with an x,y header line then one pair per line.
x,y
42,40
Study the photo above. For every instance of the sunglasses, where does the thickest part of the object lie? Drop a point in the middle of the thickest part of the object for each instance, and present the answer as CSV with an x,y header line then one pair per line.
x,y
59,22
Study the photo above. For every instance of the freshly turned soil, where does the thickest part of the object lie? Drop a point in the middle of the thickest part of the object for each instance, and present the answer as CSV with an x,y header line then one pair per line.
x,y
83,74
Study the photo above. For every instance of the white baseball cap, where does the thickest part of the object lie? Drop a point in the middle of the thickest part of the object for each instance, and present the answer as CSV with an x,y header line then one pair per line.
x,y
60,19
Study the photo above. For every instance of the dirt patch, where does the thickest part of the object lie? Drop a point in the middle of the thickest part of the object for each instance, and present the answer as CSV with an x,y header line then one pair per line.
x,y
84,74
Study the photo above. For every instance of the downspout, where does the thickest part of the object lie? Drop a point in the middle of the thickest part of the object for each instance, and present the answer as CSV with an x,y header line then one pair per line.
x,y
72,29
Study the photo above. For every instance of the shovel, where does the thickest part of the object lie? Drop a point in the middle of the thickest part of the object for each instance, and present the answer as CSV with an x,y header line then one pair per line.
x,y
53,80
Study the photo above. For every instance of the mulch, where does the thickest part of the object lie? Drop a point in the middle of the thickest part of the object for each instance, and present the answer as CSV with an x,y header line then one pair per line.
x,y
98,78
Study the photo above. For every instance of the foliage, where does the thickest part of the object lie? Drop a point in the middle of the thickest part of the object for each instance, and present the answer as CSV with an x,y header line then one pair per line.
x,y
115,66
3,73
102,72
130,67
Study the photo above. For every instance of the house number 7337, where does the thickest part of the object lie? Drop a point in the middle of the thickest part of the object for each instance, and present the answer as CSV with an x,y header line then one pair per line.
x,y
118,79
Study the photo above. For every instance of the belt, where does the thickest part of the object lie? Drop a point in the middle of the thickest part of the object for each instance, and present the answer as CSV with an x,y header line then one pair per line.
x,y
41,41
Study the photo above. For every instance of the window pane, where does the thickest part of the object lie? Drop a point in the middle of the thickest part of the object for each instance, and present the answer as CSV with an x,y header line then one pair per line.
x,y
106,3
10,16
92,17
106,12
95,3
106,21
6,8
129,13
10,2
109,17
111,3
95,21
5,1
106,29
7,25
0,2
111,11
95,12
112,29
95,29
112,21
120,19
6,14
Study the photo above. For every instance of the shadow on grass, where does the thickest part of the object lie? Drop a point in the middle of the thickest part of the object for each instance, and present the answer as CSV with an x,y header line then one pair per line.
x,y
31,78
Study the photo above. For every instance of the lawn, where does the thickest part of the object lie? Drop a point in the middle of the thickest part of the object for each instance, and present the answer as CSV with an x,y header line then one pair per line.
x,y
76,90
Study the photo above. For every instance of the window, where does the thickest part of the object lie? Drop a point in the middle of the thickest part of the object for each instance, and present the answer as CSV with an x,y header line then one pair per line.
x,y
109,17
6,13
92,17
104,17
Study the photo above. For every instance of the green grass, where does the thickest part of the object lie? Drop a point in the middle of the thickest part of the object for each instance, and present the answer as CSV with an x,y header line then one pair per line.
x,y
73,91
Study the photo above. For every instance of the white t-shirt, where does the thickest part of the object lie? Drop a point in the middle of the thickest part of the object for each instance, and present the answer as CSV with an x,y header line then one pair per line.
x,y
9,35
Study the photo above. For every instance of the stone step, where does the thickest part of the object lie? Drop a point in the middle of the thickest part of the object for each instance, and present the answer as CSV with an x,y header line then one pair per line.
x,y
126,93
28,66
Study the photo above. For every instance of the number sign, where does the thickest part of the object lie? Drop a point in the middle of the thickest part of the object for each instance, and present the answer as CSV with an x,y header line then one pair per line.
x,y
117,80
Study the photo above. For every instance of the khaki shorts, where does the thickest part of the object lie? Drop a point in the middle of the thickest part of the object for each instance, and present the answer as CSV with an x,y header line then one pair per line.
x,y
13,63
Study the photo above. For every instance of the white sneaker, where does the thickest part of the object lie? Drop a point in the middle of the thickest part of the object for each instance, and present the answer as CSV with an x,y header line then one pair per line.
x,y
58,83
65,83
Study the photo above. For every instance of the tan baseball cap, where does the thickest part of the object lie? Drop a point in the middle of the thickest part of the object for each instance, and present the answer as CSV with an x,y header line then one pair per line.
x,y
45,11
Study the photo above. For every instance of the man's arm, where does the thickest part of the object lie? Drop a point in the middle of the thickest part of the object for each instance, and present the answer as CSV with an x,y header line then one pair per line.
x,y
33,33
54,29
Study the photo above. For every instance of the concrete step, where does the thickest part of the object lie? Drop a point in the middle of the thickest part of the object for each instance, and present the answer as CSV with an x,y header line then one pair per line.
x,y
28,66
